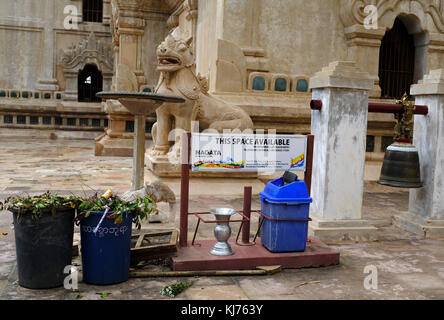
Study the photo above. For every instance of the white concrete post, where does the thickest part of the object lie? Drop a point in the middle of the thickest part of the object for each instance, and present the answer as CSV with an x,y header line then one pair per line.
x,y
426,205
340,130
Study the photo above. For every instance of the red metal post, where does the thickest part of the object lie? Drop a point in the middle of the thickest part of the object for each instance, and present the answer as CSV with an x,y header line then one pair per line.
x,y
184,188
316,104
378,107
247,213
394,108
309,159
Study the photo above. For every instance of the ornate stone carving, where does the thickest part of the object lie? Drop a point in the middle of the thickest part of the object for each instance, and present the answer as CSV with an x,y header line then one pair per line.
x,y
191,7
165,6
114,23
421,18
352,11
126,80
88,51
176,64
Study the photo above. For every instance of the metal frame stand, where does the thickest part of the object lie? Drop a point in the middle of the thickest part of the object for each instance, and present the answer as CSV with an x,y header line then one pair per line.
x,y
245,213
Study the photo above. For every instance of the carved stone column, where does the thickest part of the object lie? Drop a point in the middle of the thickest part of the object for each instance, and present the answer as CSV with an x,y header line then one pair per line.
x,y
363,47
47,80
128,27
115,141
435,51
106,18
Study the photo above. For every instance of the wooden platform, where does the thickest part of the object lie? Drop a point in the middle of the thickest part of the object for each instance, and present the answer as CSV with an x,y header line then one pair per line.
x,y
198,257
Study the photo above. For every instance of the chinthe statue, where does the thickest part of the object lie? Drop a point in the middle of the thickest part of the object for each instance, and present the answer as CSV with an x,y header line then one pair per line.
x,y
175,61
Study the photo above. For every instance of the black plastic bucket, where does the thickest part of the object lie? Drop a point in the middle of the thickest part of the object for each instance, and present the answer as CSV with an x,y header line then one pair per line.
x,y
43,248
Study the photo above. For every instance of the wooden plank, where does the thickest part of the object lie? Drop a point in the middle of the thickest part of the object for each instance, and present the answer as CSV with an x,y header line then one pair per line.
x,y
165,249
266,270
139,241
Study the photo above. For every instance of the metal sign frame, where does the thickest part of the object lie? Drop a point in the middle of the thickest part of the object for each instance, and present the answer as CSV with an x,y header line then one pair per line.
x,y
238,152
185,187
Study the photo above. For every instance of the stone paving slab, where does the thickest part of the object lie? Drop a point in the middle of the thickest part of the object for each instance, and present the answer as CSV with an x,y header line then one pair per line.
x,y
409,267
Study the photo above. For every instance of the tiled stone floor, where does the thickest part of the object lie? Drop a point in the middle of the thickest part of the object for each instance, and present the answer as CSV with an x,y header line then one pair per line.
x,y
409,267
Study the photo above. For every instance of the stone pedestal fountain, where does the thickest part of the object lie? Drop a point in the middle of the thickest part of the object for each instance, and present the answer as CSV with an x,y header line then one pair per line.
x,y
139,104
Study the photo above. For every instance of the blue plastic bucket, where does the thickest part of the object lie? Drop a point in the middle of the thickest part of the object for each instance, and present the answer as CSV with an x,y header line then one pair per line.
x,y
282,206
106,253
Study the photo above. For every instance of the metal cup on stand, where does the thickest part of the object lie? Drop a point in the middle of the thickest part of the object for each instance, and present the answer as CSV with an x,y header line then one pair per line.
x,y
222,231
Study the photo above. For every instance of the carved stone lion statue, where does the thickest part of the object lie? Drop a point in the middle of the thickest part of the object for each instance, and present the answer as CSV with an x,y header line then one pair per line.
x,y
176,64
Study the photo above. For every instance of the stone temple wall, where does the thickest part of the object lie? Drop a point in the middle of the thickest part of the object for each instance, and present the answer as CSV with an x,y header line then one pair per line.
x,y
34,38
297,38
38,90
257,54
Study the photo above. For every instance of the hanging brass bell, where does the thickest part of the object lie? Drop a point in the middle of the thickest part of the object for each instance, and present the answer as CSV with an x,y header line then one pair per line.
x,y
400,168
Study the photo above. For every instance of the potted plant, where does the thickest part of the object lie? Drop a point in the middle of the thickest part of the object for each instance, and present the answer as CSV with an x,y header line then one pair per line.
x,y
105,229
43,228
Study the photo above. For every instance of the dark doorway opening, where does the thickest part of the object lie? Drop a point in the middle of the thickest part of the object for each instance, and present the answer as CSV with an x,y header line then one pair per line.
x,y
396,62
90,81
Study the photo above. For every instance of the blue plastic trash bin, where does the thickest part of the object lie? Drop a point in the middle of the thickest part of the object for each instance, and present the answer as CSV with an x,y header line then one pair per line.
x,y
106,253
281,205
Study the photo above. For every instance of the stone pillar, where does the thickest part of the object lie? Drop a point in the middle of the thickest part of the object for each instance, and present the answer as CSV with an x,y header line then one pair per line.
x,y
363,47
71,80
339,153
106,18
128,30
435,51
426,204
115,141
47,80
138,152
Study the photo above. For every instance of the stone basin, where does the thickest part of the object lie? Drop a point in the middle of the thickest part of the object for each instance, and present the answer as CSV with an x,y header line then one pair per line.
x,y
140,103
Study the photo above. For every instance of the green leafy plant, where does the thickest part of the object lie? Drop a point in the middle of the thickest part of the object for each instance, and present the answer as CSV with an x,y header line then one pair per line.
x,y
138,209
174,289
37,205
103,295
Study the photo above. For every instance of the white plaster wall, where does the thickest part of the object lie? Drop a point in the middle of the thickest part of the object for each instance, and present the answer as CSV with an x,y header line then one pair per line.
x,y
339,153
428,202
23,47
298,36
20,59
30,9
20,34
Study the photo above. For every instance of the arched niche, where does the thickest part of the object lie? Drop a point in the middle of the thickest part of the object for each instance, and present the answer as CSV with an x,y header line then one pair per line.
x,y
423,20
89,82
87,52
421,42
402,61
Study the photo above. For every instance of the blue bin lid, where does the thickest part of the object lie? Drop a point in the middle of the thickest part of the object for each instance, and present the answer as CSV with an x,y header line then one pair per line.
x,y
293,192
